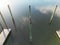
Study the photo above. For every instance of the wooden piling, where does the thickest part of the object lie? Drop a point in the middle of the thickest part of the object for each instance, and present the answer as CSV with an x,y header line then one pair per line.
x,y
52,15
12,17
30,24
3,20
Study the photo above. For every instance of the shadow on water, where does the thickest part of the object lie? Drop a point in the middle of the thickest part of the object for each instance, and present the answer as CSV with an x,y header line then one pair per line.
x,y
42,32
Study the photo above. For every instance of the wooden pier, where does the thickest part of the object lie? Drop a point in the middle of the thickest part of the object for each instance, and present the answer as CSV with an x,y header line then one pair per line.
x,y
3,35
58,33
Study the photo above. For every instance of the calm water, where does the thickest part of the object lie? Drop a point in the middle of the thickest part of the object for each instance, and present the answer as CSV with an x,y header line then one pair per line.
x,y
42,32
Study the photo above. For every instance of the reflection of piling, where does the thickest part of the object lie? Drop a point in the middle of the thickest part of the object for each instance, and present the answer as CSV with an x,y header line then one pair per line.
x,y
12,16
53,14
3,20
30,24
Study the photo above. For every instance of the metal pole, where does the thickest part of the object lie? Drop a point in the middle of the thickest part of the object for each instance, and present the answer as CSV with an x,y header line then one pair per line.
x,y
53,14
3,20
12,16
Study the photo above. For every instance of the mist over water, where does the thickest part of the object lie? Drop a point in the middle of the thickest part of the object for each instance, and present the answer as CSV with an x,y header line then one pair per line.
x,y
43,33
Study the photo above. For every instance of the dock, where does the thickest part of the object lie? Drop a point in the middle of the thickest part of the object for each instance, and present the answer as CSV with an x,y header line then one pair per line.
x,y
3,35
58,33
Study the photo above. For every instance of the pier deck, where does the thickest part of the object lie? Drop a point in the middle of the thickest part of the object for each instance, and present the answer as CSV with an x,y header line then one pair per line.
x,y
3,35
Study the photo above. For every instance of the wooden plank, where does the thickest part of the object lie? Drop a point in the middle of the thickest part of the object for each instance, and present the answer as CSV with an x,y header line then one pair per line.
x,y
58,33
3,35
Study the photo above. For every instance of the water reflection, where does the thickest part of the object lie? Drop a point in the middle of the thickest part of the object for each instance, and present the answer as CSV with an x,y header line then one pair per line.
x,y
42,32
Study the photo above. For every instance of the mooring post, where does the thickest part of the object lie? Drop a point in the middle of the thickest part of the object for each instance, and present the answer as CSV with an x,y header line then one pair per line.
x,y
30,24
12,17
1,26
52,15
3,20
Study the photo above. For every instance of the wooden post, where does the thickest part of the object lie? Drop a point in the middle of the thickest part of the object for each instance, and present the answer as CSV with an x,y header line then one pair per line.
x,y
52,15
30,24
1,25
12,17
3,20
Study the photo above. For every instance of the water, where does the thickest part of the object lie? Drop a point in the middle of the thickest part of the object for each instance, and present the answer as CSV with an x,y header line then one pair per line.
x,y
43,33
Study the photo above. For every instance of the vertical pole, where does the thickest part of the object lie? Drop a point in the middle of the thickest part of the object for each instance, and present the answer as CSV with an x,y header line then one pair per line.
x,y
1,25
3,20
2,29
12,16
30,24
53,14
